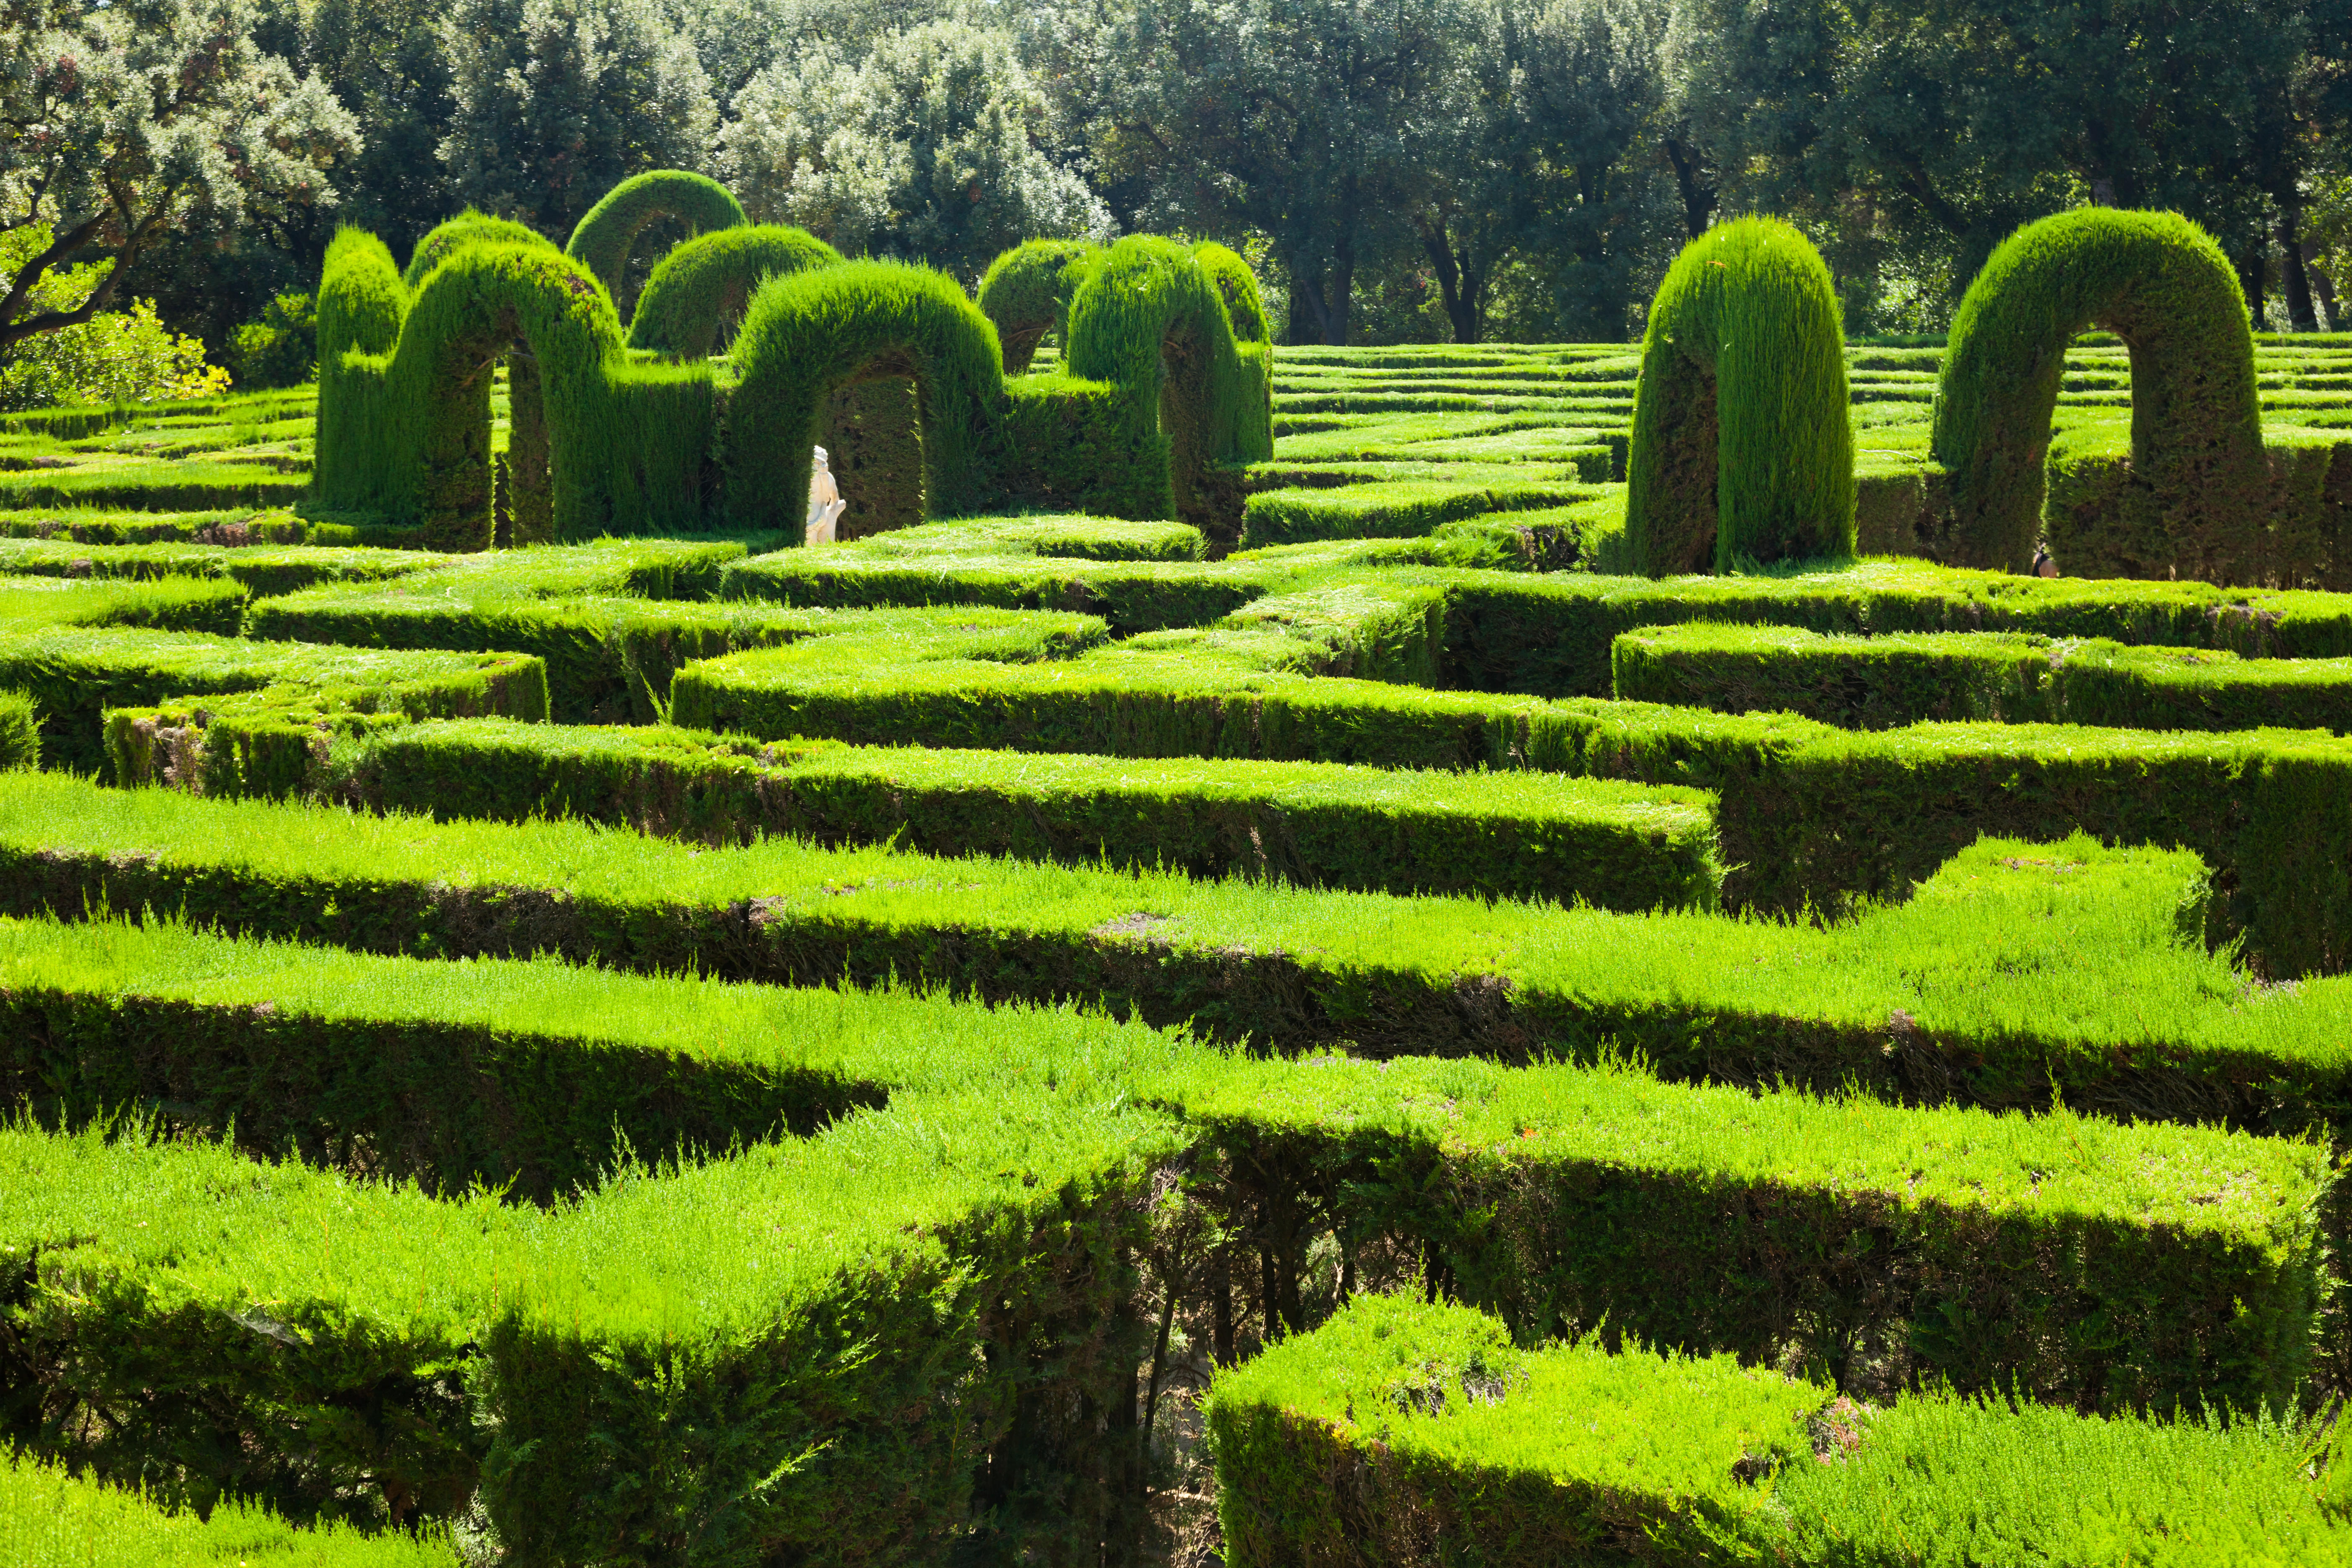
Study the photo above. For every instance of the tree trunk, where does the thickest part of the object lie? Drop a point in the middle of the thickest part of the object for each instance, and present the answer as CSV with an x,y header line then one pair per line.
x,y
2321,285
1455,282
1306,306
2300,316
1699,196
2251,263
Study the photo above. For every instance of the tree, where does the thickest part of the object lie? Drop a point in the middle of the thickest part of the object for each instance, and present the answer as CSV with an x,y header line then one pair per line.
x,y
386,60
127,121
557,101
1300,119
1944,125
927,150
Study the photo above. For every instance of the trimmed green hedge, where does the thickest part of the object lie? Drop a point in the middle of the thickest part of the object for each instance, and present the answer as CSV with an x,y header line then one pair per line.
x,y
2098,521
1521,836
2100,1262
578,607
2066,1258
2016,972
81,678
2197,485
164,604
20,731
1904,677
702,286
50,1517
1026,293
1742,449
1399,1423
890,1333
601,240
259,569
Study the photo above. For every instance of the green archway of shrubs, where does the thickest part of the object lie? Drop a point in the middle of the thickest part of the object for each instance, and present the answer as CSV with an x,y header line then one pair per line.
x,y
2197,494
602,239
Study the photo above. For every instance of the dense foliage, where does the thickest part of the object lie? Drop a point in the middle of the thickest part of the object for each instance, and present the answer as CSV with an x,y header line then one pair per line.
x,y
1420,170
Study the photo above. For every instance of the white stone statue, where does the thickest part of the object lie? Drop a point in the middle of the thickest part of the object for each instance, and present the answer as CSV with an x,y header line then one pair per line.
x,y
826,505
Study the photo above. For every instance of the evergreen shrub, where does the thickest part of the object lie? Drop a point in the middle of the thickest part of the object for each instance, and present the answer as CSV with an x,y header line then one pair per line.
x,y
601,240
2197,493
1399,1423
1742,448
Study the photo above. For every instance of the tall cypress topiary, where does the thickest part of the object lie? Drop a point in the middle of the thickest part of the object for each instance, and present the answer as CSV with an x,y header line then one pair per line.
x,y
704,283
2198,483
1026,293
1742,448
362,305
600,242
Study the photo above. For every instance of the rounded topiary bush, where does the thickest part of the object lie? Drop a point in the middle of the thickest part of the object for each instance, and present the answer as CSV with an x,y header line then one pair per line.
x,y
1742,448
601,241
1026,293
704,283
2160,283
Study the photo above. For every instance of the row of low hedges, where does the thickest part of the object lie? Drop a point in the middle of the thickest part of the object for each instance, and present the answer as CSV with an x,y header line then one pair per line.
x,y
1398,1426
1511,835
262,570
1789,789
2096,1263
77,676
1236,690
1875,683
2016,974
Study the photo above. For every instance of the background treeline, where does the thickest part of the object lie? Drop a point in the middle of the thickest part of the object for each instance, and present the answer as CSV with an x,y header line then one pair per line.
x,y
1396,170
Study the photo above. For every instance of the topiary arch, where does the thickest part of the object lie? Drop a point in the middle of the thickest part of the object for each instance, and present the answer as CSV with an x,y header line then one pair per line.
x,y
602,241
468,227
1243,304
1742,445
2198,477
703,285
405,432
809,333
1149,317
1026,293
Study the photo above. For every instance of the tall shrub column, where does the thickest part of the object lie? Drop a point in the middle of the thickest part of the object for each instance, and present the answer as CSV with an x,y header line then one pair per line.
x,y
1742,445
2161,284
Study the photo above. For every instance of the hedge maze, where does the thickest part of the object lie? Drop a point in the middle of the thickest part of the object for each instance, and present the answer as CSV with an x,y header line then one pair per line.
x,y
1518,953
